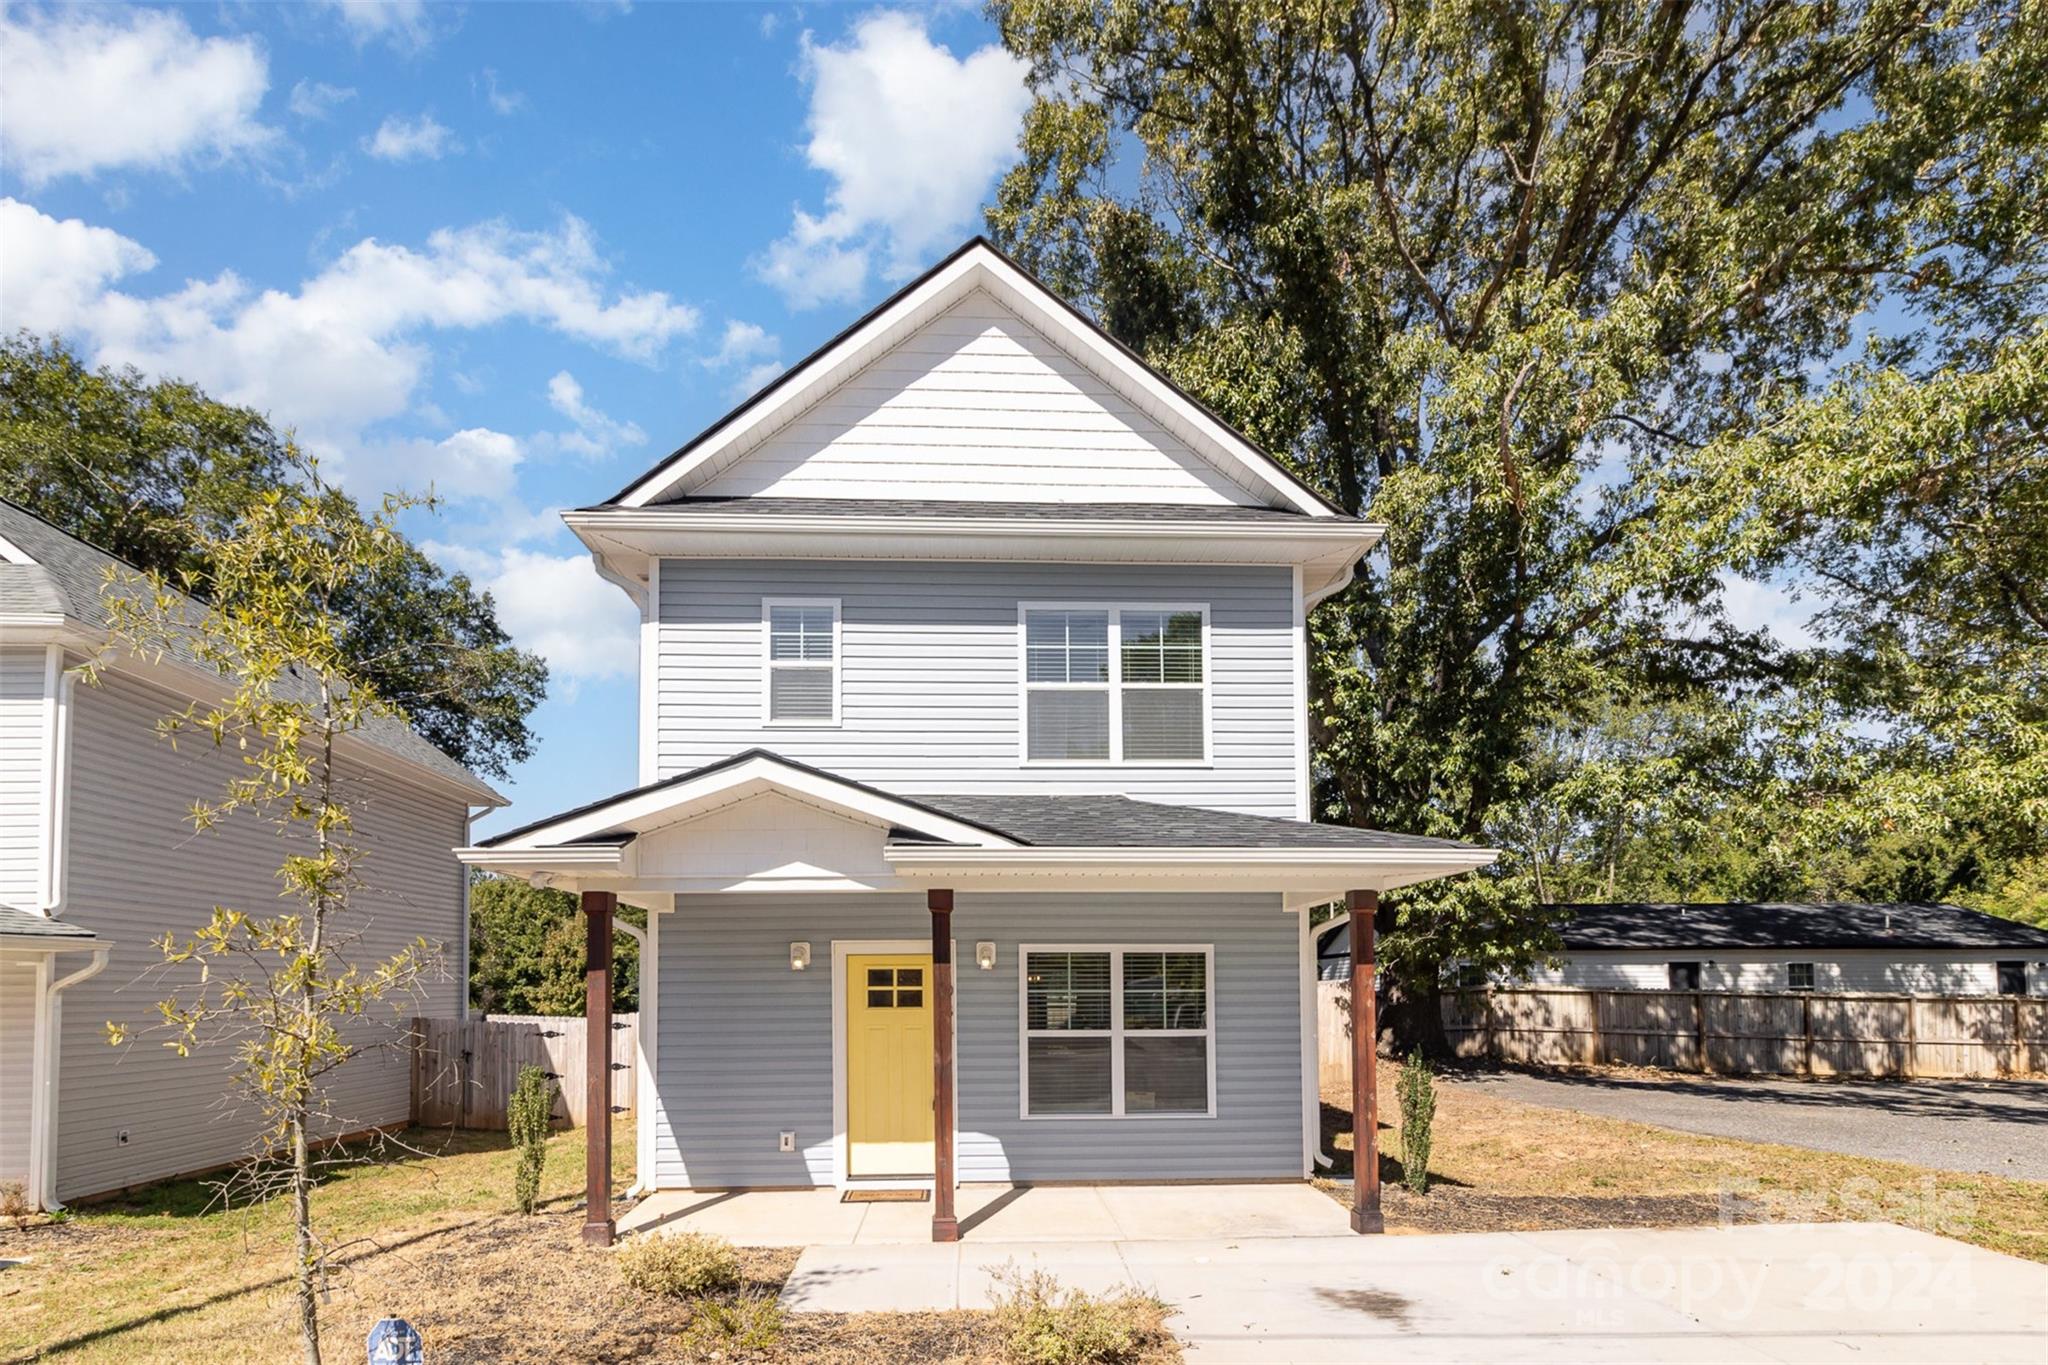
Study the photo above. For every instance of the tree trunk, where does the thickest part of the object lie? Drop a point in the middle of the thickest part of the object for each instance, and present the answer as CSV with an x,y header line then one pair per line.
x,y
302,1226
1413,1018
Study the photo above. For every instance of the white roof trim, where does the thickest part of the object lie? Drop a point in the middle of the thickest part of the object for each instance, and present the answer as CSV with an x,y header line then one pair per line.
x,y
1320,870
977,266
676,802
13,554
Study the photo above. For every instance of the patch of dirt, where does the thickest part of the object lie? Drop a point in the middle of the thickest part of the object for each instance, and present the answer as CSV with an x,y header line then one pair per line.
x,y
1449,1208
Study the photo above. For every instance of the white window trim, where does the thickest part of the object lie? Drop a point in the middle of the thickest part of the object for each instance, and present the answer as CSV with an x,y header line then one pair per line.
x,y
1115,687
1116,1032
1812,977
769,665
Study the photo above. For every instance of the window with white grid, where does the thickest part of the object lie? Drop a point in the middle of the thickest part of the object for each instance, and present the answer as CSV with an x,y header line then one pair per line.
x,y
1116,684
1117,1032
801,654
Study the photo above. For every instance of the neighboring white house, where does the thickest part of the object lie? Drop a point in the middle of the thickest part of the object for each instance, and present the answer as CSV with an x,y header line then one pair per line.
x,y
98,859
972,620
1913,948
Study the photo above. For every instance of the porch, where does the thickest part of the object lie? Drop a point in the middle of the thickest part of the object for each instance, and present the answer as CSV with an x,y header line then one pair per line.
x,y
994,1214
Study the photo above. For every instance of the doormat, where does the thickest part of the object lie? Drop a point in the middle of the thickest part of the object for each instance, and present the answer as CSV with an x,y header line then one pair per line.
x,y
885,1196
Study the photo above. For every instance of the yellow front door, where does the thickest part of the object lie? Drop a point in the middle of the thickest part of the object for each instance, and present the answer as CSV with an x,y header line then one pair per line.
x,y
889,1065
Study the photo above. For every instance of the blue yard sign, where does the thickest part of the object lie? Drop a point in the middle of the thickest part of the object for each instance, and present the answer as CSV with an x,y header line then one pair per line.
x,y
394,1342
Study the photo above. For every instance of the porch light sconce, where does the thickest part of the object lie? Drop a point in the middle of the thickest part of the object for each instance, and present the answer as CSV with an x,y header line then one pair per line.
x,y
985,955
799,956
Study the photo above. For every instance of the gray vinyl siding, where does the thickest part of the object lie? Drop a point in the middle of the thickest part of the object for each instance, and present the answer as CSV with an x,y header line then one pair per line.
x,y
930,687
137,871
17,1061
21,774
745,1044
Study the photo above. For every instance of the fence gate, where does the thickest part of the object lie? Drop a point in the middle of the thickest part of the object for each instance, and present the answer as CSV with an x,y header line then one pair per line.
x,y
463,1070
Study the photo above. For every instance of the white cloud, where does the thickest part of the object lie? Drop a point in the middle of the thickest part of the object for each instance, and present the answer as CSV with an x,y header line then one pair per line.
x,y
557,605
752,351
317,99
1752,604
54,274
401,23
597,435
503,102
911,136
348,348
87,91
404,139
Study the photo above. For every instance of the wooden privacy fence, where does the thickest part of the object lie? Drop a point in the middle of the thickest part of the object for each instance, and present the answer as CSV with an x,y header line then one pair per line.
x,y
463,1069
1799,1033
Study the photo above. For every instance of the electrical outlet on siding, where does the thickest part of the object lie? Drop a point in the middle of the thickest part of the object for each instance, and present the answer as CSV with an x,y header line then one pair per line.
x,y
121,1138
787,1142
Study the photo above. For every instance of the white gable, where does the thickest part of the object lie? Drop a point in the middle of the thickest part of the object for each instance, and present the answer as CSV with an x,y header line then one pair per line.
x,y
975,382
977,405
768,838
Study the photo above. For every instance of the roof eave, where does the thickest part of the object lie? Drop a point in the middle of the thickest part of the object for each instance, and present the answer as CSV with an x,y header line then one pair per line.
x,y
1264,869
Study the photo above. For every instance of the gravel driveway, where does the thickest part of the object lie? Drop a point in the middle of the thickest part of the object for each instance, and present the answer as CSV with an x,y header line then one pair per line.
x,y
1992,1127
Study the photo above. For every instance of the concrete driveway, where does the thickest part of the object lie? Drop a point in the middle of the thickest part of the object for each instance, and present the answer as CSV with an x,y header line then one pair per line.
x,y
1790,1292
1992,1127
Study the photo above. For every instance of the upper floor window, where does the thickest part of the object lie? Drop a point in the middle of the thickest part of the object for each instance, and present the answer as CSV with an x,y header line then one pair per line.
x,y
802,661
1799,976
1115,684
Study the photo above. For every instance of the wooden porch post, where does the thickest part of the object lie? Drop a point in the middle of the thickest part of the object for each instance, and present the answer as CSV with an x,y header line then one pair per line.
x,y
1365,1080
945,1228
598,908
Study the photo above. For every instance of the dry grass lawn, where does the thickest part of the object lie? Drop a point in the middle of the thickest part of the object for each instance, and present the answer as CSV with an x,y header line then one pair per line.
x,y
167,1276
1507,1165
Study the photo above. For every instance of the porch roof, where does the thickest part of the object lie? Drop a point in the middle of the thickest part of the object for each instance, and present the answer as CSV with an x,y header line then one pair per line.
x,y
982,840
25,929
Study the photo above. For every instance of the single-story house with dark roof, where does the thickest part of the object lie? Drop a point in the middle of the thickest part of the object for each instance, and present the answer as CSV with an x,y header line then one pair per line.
x,y
1905,947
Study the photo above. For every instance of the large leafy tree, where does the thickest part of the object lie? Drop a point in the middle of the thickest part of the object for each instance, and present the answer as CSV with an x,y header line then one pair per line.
x,y
157,473
1517,281
527,951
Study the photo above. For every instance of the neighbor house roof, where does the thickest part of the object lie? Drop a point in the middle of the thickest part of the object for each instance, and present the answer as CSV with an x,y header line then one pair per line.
x,y
1625,925
23,924
65,577
1708,926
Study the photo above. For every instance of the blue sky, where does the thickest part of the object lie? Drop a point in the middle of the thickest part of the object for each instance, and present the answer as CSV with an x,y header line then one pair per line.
x,y
521,251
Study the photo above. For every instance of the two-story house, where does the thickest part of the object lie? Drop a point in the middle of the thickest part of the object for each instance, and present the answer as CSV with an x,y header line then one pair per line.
x,y
973,817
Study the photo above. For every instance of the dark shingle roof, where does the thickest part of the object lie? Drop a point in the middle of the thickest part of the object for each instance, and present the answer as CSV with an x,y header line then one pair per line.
x,y
22,924
1120,822
1023,511
1057,821
1669,926
1787,924
68,577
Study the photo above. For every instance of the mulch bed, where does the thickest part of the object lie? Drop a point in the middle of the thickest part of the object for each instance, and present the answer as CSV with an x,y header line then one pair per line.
x,y
1448,1208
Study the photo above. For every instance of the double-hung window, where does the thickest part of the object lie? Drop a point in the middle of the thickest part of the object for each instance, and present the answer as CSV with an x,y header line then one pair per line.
x,y
1115,684
802,661
1118,1032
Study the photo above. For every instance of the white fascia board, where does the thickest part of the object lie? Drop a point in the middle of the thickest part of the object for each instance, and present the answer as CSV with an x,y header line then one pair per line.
x,y
623,541
980,267
681,801
519,862
1324,872
10,553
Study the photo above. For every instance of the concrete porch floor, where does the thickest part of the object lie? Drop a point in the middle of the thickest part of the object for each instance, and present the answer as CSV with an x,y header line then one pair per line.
x,y
998,1214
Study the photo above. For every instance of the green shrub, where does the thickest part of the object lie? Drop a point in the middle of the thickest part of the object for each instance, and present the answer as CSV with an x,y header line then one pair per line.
x,y
682,1266
1417,1092
1043,1324
528,1115
744,1322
